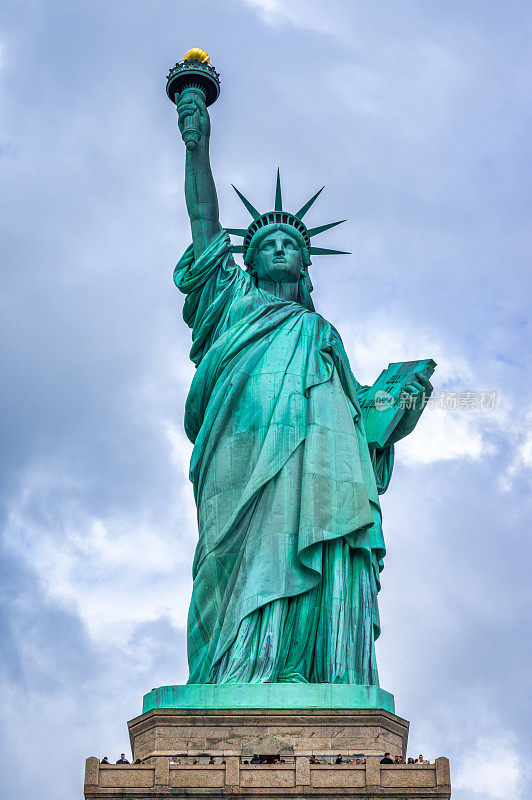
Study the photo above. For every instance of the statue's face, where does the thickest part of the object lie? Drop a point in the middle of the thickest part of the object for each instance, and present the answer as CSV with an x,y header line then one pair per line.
x,y
278,258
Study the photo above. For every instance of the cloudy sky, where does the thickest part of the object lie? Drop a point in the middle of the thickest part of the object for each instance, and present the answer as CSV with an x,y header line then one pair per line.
x,y
416,115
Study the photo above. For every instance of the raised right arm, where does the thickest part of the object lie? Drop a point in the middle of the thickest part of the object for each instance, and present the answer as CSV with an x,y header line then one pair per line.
x,y
200,191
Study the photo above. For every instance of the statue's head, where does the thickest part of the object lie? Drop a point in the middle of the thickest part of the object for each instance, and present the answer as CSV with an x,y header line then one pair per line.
x,y
277,244
277,253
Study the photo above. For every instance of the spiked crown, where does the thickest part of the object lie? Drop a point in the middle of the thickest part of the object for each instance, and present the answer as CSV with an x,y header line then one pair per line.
x,y
279,215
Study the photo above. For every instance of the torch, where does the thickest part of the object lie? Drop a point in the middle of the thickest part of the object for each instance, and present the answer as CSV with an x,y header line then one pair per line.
x,y
194,76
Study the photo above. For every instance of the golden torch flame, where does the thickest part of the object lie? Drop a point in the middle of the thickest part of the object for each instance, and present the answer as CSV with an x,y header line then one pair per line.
x,y
197,54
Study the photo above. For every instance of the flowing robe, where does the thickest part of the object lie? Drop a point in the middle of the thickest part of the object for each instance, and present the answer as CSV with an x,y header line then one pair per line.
x,y
286,570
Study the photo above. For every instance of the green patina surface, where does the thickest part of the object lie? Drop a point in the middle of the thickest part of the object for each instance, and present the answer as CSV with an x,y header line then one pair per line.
x,y
268,696
290,456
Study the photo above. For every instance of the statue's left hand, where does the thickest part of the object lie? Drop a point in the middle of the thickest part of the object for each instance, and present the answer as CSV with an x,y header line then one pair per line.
x,y
416,394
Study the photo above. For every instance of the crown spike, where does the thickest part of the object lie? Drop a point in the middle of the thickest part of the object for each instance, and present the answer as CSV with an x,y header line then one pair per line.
x,y
324,251
303,210
252,210
321,228
278,195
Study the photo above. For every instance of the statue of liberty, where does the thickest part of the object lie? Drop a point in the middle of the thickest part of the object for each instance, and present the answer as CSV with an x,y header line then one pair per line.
x,y
290,452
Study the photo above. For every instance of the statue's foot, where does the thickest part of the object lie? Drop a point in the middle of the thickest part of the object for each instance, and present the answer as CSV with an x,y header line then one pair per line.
x,y
292,677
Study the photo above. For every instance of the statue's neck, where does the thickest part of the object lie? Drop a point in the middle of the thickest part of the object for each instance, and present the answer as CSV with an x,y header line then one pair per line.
x,y
284,290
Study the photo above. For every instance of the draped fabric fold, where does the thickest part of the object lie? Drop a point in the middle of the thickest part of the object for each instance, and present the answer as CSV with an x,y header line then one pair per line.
x,y
286,570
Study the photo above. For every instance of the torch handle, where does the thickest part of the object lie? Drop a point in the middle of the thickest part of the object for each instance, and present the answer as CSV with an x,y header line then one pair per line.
x,y
191,133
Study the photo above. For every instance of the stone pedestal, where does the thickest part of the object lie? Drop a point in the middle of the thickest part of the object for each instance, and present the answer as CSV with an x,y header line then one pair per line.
x,y
232,735
198,734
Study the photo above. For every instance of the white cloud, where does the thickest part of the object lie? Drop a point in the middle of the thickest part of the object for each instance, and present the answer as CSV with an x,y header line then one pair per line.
x,y
181,448
269,9
445,435
117,570
525,451
385,339
307,14
441,434
521,429
490,769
